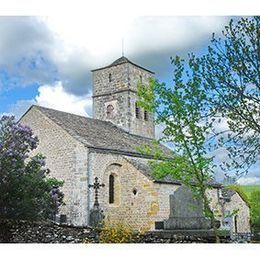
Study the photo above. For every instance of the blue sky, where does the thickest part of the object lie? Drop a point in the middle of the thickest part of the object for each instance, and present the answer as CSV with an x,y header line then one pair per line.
x,y
37,53
47,60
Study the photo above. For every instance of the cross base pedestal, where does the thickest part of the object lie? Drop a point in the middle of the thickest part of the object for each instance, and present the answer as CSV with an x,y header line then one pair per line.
x,y
96,217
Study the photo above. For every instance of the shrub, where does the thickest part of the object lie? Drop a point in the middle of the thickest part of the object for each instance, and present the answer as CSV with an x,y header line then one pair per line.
x,y
117,232
25,190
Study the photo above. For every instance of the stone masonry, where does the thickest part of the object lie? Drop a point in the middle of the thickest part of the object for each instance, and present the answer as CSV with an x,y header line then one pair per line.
x,y
151,202
243,220
67,160
116,86
71,161
78,149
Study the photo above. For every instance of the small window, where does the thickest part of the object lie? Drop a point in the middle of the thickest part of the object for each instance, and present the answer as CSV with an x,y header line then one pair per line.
x,y
134,191
235,222
145,115
110,110
110,77
141,79
111,189
137,111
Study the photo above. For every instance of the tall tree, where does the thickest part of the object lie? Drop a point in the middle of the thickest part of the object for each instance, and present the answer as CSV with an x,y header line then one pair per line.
x,y
183,110
25,190
224,85
231,78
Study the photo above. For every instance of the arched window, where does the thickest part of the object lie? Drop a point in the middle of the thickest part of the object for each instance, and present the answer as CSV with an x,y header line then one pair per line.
x,y
137,111
110,110
145,115
111,189
235,222
110,77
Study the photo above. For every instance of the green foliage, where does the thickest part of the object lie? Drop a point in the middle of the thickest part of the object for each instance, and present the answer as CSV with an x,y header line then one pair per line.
x,y
30,194
231,77
233,213
25,190
240,191
248,189
183,110
221,85
117,232
255,209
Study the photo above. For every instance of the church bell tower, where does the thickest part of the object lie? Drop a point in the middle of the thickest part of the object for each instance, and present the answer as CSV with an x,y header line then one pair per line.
x,y
115,97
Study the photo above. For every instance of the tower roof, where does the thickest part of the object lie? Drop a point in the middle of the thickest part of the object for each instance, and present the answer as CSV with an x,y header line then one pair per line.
x,y
120,61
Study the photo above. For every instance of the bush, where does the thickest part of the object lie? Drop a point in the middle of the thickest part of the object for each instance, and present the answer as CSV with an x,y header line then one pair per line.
x,y
117,232
25,190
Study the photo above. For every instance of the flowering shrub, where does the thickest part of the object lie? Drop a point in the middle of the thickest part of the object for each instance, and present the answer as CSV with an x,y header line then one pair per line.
x,y
25,190
113,232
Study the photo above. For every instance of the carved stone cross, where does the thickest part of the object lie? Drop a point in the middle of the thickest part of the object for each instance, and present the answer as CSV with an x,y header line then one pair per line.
x,y
96,186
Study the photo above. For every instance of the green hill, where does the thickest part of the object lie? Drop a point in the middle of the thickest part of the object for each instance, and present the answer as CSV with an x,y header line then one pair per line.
x,y
250,188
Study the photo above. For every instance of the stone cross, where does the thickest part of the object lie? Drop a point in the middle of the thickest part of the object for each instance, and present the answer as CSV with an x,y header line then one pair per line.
x,y
96,186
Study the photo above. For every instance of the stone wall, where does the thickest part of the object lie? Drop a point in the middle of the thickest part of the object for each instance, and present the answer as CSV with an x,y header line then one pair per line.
x,y
243,217
140,210
119,79
140,126
67,160
139,201
213,195
44,232
151,202
121,94
119,116
236,203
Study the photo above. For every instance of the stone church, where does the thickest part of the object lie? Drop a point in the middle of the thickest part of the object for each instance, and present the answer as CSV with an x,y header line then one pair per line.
x,y
78,149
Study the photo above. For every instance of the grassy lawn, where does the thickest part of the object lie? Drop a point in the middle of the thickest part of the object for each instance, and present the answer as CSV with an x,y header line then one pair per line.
x,y
249,189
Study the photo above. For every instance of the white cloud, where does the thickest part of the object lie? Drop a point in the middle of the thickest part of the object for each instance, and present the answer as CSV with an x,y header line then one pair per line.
x,y
221,125
155,34
54,96
44,50
159,130
249,181
220,155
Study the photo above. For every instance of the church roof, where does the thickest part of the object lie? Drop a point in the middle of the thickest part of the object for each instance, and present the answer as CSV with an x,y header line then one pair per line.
x,y
99,134
144,167
228,193
120,61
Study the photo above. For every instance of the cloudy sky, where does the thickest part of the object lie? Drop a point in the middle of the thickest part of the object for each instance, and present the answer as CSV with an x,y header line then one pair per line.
x,y
47,60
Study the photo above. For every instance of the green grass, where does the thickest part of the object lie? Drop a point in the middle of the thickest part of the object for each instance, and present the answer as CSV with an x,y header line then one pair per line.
x,y
249,189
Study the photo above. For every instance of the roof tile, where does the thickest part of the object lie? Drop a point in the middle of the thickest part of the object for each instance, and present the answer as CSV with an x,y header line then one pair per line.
x,y
99,134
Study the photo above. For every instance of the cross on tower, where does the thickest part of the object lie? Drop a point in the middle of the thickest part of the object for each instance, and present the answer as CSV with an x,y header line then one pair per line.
x,y
96,186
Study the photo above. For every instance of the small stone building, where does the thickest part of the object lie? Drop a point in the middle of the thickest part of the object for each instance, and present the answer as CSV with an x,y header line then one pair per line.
x,y
78,149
